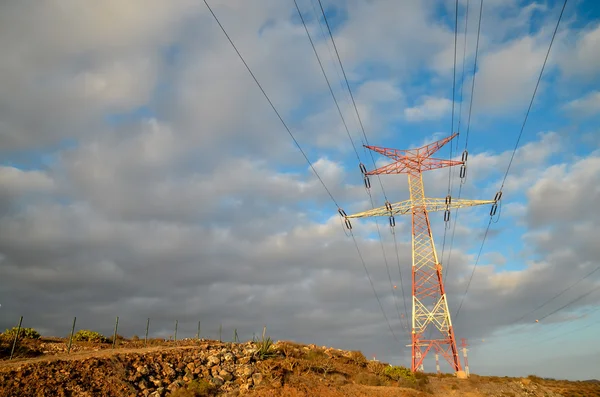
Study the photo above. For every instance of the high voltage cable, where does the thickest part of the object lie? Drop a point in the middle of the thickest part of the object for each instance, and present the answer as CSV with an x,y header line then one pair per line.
x,y
373,287
351,96
273,106
327,80
355,151
556,295
468,119
401,281
580,297
307,160
452,126
515,149
560,309
533,96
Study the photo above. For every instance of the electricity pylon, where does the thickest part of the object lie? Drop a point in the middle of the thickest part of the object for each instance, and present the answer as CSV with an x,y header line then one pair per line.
x,y
429,301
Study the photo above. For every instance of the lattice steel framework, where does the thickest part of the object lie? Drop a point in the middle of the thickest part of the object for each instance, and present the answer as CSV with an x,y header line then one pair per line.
x,y
429,301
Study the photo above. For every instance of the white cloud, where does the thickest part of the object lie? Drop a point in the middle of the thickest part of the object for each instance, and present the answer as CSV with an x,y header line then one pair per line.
x,y
507,76
581,59
587,105
431,108
207,203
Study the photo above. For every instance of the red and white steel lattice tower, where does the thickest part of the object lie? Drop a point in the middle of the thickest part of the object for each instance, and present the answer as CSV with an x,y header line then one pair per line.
x,y
429,301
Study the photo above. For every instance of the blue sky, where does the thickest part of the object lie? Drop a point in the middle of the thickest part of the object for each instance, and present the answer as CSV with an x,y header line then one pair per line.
x,y
142,163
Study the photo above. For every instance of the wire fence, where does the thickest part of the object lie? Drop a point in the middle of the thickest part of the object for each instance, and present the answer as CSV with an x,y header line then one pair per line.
x,y
14,341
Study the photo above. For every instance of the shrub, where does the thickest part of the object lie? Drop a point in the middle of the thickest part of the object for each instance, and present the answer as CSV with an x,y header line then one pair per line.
x,y
25,333
368,379
358,358
264,347
86,335
400,373
315,355
201,388
135,338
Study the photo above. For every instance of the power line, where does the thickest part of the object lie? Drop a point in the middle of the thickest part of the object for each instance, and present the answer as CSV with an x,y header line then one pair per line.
x,y
580,297
400,273
272,106
307,160
499,194
570,321
533,96
556,295
350,91
355,151
452,126
327,80
373,286
468,120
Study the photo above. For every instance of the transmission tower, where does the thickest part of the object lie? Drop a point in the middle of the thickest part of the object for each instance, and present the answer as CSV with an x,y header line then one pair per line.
x,y
429,301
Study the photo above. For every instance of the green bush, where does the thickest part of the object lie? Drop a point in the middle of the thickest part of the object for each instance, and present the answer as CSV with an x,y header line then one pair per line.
x,y
201,387
25,333
85,335
264,348
399,373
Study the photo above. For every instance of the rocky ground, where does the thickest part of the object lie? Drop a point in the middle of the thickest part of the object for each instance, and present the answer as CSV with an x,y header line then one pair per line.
x,y
210,368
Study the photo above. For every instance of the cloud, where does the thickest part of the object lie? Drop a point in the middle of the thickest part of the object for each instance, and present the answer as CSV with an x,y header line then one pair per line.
x,y
581,59
507,76
174,192
431,108
587,105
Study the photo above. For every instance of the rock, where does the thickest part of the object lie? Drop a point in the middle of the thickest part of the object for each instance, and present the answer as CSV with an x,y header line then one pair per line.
x,y
175,385
257,378
213,360
159,392
142,369
143,384
245,359
191,366
217,381
228,357
225,375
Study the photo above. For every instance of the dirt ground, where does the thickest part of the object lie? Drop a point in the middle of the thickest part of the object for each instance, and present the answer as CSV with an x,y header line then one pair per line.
x,y
43,368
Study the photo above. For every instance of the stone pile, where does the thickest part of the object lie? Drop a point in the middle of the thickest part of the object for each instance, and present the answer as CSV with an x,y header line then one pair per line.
x,y
230,369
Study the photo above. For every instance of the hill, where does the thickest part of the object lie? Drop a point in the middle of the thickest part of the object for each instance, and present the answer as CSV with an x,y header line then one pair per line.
x,y
211,368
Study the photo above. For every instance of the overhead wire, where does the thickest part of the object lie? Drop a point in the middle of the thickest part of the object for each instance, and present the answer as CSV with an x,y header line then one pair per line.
x,y
350,91
356,152
449,194
499,194
555,296
327,80
307,160
571,302
366,141
447,265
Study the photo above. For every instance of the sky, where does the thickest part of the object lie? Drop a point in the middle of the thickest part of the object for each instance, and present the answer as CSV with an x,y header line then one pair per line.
x,y
143,174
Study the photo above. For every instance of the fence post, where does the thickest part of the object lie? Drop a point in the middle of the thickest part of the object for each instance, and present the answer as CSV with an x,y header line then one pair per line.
x,y
176,321
198,337
146,337
115,334
71,336
235,336
16,337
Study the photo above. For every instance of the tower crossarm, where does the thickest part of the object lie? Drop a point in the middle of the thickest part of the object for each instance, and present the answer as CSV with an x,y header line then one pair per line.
x,y
430,149
410,165
432,204
422,152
